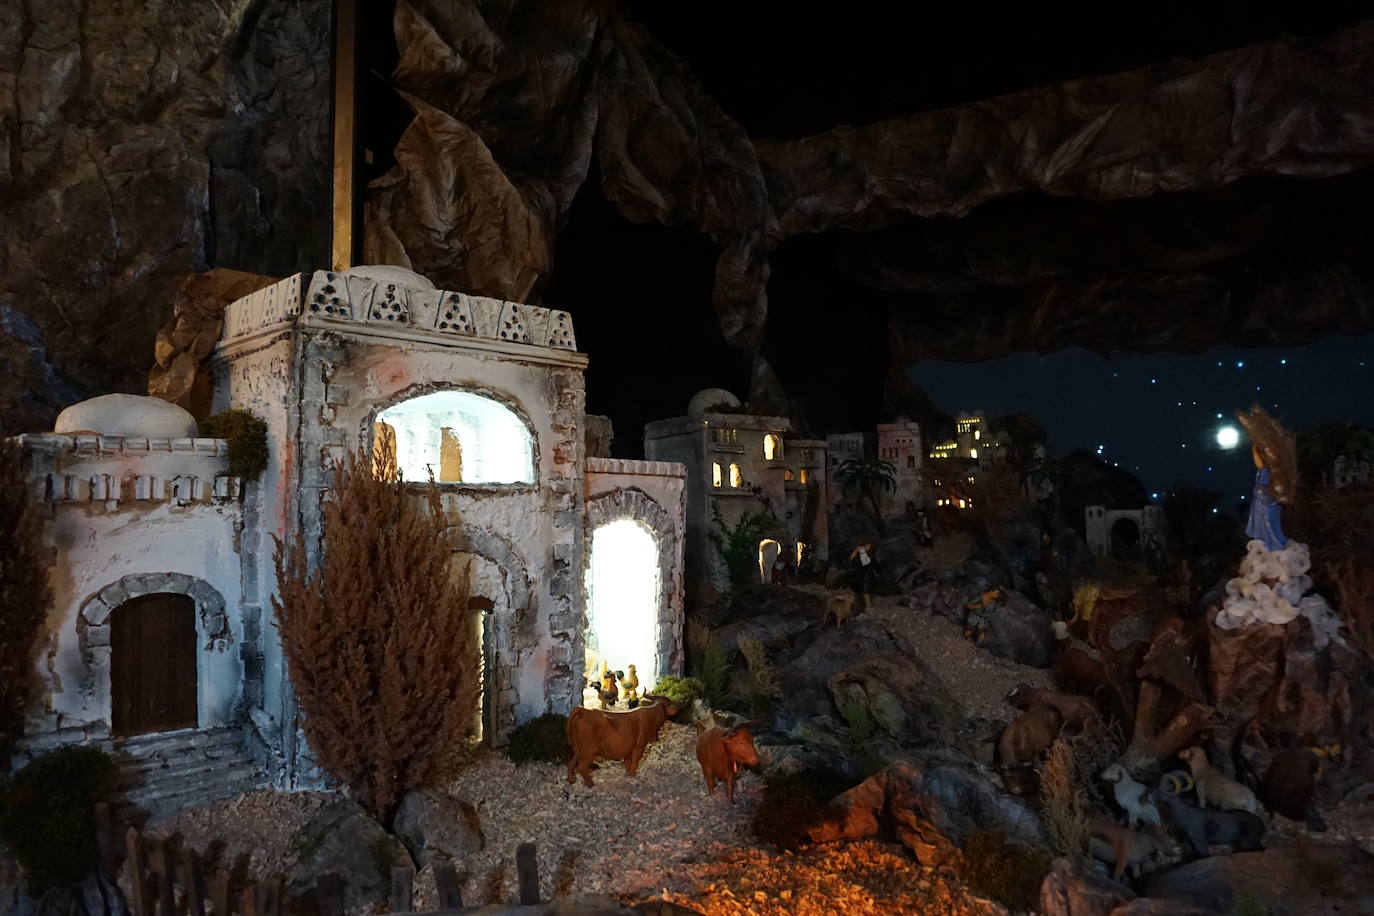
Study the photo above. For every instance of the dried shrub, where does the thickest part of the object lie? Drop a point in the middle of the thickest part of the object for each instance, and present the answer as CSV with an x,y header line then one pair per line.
x,y
761,681
542,739
246,436
47,815
378,635
24,593
1068,788
1003,871
792,804
708,662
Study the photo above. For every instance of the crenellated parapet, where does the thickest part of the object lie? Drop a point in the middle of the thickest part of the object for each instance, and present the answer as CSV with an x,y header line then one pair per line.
x,y
115,470
389,302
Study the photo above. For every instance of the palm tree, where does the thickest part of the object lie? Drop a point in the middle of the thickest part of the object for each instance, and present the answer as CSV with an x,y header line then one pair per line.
x,y
869,478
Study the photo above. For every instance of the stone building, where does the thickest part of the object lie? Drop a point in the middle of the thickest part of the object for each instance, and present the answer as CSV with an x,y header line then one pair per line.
x,y
159,554
900,443
740,464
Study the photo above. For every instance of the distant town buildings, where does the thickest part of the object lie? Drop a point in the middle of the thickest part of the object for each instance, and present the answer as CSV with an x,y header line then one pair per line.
x,y
1347,471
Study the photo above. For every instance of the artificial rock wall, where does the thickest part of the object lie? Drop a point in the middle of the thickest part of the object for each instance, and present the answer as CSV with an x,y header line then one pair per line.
x,y
142,140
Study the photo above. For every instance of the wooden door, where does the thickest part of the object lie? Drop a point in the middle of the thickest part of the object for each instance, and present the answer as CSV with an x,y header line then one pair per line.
x,y
153,665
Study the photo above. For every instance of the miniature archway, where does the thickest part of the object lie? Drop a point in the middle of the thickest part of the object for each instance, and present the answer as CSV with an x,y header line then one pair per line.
x,y
769,550
772,447
460,437
623,600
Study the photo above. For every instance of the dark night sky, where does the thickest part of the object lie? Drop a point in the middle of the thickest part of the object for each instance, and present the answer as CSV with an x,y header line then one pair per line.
x,y
1157,416
640,295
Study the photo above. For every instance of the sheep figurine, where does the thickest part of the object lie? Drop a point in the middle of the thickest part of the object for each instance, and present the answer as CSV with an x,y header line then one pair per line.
x,y
1133,798
1216,788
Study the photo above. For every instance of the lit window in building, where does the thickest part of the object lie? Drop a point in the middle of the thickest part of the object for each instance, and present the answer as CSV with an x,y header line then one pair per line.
x,y
973,453
805,477
736,478
977,434
460,437
715,474
801,553
772,447
787,475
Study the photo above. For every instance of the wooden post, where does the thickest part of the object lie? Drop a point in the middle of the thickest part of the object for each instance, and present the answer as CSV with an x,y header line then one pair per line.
x,y
269,897
192,884
248,901
219,892
527,873
328,895
162,866
446,883
133,842
401,879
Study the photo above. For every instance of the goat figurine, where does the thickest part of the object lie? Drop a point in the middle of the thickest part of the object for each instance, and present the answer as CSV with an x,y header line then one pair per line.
x,y
1133,798
1216,788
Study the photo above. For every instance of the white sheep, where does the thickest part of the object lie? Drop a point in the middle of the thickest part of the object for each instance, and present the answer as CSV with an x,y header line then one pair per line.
x,y
1133,798
1216,788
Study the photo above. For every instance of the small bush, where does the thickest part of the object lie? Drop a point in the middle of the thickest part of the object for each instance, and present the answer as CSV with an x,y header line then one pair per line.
x,y
541,739
864,753
247,438
47,815
1003,871
791,805
761,681
681,690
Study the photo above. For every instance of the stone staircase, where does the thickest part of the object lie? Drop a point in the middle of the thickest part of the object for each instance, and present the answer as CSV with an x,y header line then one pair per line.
x,y
161,774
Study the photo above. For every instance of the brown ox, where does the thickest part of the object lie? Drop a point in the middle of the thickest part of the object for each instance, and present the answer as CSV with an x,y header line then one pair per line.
x,y
610,735
721,752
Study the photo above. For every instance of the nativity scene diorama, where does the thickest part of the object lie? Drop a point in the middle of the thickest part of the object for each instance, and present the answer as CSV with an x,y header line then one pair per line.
x,y
162,560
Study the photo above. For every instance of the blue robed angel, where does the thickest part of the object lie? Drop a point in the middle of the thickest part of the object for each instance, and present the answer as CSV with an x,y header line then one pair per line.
x,y
1264,523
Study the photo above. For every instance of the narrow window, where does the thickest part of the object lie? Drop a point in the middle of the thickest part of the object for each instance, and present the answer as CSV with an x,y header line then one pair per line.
x,y
715,474
772,447
736,478
805,477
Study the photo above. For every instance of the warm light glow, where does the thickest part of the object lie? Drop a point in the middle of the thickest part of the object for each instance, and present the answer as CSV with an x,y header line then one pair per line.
x,y
622,587
768,552
787,474
977,434
772,447
716,474
462,437
736,478
973,453
805,477
1228,437
801,552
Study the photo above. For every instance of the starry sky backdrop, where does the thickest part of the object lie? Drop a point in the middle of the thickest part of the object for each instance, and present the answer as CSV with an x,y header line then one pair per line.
x,y
1157,416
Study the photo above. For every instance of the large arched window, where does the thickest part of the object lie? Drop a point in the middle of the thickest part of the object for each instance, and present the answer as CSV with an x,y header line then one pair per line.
x,y
462,437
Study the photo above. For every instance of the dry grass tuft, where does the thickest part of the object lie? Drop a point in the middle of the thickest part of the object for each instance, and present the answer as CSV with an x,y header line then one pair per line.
x,y
1068,788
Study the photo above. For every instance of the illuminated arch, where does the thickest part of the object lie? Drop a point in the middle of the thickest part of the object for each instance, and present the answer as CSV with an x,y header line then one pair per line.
x,y
462,436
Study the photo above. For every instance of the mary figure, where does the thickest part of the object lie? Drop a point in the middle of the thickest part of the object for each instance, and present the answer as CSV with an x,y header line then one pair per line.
x,y
1264,510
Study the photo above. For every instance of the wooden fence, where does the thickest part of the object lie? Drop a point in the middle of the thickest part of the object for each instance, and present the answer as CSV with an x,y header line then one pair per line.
x,y
166,881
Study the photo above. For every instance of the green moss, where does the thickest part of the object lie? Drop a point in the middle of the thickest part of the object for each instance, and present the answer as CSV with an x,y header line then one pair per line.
x,y
1003,871
47,815
541,739
681,690
247,438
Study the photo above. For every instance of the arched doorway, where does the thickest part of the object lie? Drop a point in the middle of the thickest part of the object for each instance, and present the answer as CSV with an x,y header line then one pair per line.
x,y
623,600
768,553
1125,540
153,665
488,600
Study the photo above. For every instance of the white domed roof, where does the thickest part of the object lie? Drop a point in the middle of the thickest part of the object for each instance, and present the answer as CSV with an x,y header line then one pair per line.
x,y
709,398
386,273
127,415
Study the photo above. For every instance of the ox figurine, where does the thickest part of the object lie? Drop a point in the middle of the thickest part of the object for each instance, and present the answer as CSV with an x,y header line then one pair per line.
x,y
594,733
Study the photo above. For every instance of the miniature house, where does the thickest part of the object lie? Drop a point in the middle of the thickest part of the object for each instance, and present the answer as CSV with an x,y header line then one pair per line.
x,y
739,464
1124,531
163,565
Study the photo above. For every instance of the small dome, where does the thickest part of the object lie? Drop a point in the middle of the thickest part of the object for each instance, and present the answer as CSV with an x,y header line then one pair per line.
x,y
710,399
127,415
386,273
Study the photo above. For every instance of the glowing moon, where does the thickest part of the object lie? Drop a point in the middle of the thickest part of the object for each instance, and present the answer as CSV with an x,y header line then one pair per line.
x,y
1228,437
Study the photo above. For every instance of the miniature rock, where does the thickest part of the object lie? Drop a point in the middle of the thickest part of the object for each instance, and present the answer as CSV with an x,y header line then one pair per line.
x,y
434,826
1070,891
343,840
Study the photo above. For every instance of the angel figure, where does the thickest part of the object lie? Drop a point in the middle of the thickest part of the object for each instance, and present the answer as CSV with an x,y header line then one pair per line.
x,y
1275,456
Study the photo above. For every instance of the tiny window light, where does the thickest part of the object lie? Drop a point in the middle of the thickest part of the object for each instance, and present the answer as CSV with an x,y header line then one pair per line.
x,y
805,477
736,477
715,474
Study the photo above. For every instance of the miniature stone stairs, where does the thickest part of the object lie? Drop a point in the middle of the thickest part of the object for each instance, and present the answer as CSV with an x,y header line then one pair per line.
x,y
162,774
